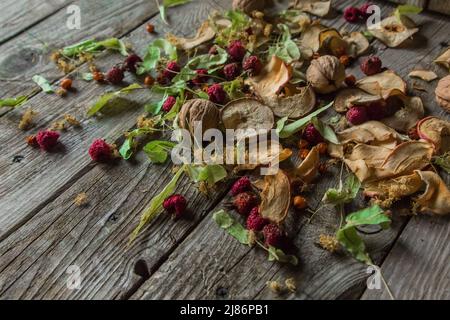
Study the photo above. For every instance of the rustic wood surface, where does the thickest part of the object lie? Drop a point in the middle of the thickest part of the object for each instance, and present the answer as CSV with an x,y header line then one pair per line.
x,y
42,232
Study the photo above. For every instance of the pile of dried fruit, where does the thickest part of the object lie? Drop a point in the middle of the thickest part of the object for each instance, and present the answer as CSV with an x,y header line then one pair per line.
x,y
253,70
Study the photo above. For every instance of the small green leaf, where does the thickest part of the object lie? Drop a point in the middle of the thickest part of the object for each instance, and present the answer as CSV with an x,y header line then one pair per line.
x,y
346,192
43,83
443,161
407,9
87,76
285,131
127,149
93,46
208,173
325,130
169,4
234,89
13,102
107,97
285,49
158,151
225,221
209,61
278,255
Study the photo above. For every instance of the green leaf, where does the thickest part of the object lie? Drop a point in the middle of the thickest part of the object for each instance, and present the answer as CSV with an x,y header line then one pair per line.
x,y
286,49
325,130
406,9
369,36
127,148
156,205
209,173
225,221
209,61
158,151
169,4
13,102
107,97
285,131
75,49
43,83
87,76
348,236
346,192
234,88
443,161
278,255
93,46
112,44
154,52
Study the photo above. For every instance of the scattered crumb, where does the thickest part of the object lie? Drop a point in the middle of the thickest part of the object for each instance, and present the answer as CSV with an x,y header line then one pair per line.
x,y
115,151
72,120
81,199
143,122
328,243
27,120
61,92
252,237
59,125
290,285
275,287
31,141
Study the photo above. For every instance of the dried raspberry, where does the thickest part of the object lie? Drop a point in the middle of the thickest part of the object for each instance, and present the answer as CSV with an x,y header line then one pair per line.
x,y
242,185
169,103
377,110
312,135
115,75
357,115
255,221
364,11
176,204
171,71
352,14
213,50
253,65
371,66
202,77
245,202
131,63
350,80
237,51
47,140
231,71
100,151
273,236
217,94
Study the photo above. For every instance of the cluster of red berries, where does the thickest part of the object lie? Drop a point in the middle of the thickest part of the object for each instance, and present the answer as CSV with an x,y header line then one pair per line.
x,y
46,140
371,66
312,135
117,73
100,151
175,205
354,14
357,115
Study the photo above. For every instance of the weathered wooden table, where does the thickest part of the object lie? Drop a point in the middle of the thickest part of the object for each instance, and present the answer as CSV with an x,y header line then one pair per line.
x,y
45,239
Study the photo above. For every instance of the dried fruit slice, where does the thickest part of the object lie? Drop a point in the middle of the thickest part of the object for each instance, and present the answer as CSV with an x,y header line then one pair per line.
x,y
392,32
443,93
310,37
316,7
331,42
435,131
436,198
408,116
425,75
293,107
247,115
204,34
276,197
309,168
444,59
272,78
383,84
348,97
357,44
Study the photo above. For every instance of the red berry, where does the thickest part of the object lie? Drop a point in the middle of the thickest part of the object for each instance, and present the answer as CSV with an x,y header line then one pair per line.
x,y
213,50
237,51
255,221
364,11
115,75
47,140
352,14
176,204
171,71
242,185
312,135
217,94
357,115
253,65
377,110
245,202
169,103
371,66
231,71
273,236
202,77
100,151
131,63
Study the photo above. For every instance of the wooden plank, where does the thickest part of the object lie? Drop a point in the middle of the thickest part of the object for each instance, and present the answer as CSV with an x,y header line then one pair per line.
x,y
34,259
232,271
418,3
29,53
440,6
19,15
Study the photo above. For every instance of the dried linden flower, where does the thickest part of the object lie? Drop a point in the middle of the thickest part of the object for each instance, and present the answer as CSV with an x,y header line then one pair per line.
x,y
27,120
275,287
291,285
81,199
328,243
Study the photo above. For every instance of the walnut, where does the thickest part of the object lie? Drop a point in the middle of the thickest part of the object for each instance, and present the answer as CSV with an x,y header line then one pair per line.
x,y
199,110
248,6
443,93
326,74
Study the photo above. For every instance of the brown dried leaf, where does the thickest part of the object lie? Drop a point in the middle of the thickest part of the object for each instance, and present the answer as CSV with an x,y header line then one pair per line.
x,y
204,34
316,7
293,107
272,78
392,32
276,197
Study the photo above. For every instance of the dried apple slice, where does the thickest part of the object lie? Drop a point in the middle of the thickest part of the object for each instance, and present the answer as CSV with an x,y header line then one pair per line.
x,y
247,115
436,198
348,97
331,42
444,59
372,132
316,7
383,84
435,131
293,107
204,34
408,116
276,197
393,32
357,44
425,75
309,168
272,78
310,37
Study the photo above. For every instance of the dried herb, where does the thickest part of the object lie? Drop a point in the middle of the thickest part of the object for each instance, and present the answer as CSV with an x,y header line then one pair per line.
x,y
345,194
43,83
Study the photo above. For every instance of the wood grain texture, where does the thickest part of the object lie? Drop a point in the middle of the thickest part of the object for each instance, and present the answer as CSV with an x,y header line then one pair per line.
x,y
34,259
418,3
441,6
29,53
19,15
